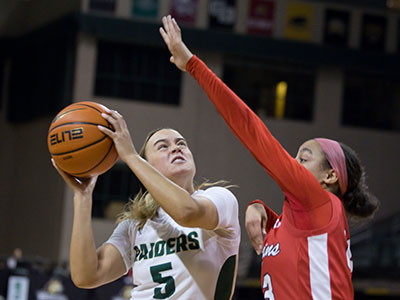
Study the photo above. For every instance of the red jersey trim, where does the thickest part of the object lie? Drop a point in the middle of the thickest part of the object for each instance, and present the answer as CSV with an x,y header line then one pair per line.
x,y
272,216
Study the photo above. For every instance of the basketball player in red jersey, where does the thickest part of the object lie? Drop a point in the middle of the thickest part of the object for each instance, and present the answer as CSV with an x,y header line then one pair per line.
x,y
306,251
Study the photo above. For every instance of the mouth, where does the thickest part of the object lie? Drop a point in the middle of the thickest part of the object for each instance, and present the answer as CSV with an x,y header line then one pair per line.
x,y
178,159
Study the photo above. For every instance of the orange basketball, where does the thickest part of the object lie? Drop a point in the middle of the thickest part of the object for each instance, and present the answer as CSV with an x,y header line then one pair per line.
x,y
75,143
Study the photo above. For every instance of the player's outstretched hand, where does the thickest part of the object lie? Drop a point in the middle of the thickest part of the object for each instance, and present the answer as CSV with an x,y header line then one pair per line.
x,y
171,33
256,220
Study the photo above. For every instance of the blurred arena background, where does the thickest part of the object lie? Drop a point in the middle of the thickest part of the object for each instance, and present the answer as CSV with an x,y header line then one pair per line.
x,y
309,68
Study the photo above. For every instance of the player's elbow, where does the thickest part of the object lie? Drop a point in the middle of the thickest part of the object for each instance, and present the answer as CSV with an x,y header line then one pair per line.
x,y
187,216
83,282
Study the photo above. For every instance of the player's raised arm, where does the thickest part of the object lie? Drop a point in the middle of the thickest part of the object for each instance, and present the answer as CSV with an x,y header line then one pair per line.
x,y
89,267
171,33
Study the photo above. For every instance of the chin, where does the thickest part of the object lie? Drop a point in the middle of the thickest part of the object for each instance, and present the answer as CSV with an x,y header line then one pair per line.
x,y
183,171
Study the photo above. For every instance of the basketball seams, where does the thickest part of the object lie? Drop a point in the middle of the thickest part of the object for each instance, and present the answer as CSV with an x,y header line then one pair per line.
x,y
88,105
71,129
84,105
79,123
95,108
99,163
81,148
65,113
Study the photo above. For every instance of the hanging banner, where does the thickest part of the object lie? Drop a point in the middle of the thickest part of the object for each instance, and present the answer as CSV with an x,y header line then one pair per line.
x,y
145,8
184,11
102,5
222,14
336,29
299,21
373,32
261,17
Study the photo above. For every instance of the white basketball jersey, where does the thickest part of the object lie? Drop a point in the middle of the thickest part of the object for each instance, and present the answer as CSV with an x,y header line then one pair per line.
x,y
173,262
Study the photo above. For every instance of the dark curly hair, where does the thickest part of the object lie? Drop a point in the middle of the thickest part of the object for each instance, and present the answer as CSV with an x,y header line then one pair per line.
x,y
358,202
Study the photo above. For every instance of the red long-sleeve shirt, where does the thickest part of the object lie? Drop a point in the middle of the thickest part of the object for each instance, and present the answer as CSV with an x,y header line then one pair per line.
x,y
306,253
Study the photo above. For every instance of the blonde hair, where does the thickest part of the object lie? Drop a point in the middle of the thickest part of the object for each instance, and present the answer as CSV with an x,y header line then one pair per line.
x,y
143,206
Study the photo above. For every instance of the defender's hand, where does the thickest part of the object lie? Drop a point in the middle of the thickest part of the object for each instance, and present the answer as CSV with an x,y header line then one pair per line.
x,y
171,33
256,220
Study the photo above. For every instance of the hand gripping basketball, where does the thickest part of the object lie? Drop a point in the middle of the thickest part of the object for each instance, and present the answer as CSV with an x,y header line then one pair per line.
x,y
76,144
121,136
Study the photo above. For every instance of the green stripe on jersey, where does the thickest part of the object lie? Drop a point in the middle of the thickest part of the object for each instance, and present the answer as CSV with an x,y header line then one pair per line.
x,y
226,279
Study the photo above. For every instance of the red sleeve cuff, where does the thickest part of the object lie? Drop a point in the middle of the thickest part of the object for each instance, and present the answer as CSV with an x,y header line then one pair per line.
x,y
190,64
272,216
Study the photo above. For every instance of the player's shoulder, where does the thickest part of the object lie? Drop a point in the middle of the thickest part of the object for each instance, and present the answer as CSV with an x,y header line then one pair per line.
x,y
128,226
219,190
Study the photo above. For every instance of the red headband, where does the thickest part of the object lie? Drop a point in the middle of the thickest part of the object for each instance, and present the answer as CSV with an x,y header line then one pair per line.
x,y
335,156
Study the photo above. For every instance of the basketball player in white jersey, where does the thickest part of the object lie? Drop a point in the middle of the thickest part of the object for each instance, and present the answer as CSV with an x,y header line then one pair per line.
x,y
181,242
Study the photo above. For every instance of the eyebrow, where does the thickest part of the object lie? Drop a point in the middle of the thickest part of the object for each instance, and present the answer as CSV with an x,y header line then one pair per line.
x,y
159,141
306,150
165,140
179,139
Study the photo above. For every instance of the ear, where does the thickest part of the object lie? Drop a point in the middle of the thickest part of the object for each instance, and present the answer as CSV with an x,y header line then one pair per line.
x,y
330,177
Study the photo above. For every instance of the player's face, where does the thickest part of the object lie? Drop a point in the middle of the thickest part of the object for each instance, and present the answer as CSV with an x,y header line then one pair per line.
x,y
168,152
311,156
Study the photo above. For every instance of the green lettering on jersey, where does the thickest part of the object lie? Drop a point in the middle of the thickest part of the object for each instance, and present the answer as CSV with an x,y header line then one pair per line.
x,y
143,252
137,251
181,242
171,246
193,241
159,248
151,250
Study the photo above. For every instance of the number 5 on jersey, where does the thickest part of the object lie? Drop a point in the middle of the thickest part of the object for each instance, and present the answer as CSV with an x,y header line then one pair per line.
x,y
169,282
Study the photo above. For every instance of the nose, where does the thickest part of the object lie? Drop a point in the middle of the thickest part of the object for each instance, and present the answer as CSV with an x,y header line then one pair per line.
x,y
175,149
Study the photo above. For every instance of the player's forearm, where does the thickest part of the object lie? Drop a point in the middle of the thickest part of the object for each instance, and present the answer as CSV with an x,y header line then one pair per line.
x,y
83,256
249,129
244,123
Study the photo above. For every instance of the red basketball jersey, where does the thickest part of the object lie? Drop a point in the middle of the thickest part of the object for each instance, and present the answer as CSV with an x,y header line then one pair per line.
x,y
307,264
301,260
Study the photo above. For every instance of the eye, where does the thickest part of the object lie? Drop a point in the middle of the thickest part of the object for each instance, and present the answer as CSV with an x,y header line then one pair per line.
x,y
162,146
302,160
182,143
